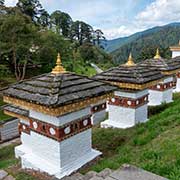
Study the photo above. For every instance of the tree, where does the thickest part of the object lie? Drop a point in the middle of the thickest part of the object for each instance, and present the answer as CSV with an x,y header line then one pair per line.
x,y
98,36
62,22
81,32
44,19
32,8
18,35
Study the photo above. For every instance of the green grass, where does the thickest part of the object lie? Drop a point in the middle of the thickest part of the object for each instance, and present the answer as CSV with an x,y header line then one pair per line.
x,y
1,102
5,81
7,157
3,116
154,146
85,70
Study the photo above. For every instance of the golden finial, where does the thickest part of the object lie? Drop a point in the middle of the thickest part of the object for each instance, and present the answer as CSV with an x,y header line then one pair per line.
x,y
157,56
130,61
58,68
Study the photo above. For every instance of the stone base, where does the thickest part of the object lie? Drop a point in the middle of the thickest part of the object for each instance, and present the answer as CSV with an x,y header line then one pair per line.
x,y
112,124
32,161
176,90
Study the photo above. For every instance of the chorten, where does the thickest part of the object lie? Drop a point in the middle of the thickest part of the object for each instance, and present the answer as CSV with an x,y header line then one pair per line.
x,y
163,91
176,57
175,50
54,110
129,104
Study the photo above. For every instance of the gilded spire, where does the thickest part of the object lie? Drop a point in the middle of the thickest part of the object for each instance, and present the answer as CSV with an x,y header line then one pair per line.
x,y
58,69
130,61
157,56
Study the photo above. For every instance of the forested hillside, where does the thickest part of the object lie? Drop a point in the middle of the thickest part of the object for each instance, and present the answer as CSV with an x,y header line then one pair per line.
x,y
30,39
143,45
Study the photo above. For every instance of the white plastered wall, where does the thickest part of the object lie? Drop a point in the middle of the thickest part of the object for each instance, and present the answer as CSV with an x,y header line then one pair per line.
x,y
123,117
56,158
158,97
59,121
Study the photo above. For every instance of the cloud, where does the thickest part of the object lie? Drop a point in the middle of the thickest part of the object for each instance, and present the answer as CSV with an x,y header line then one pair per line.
x,y
11,2
121,31
159,12
117,18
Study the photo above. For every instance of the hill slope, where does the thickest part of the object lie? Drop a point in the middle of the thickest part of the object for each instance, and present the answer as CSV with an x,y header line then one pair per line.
x,y
143,44
153,146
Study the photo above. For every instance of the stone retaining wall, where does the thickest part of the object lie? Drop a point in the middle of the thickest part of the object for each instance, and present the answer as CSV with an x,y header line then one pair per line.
x,y
9,129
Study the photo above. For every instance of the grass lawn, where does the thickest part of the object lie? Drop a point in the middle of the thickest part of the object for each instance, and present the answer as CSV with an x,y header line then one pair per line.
x,y
5,81
2,115
7,157
153,146
1,102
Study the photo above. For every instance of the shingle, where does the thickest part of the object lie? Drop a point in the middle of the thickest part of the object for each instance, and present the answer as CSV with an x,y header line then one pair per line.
x,y
161,64
16,109
130,74
57,90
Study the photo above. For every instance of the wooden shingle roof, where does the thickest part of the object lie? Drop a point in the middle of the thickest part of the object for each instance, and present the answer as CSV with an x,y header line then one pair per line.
x,y
130,76
166,66
124,77
54,90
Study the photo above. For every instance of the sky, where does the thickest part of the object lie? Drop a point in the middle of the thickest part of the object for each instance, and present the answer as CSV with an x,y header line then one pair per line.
x,y
117,18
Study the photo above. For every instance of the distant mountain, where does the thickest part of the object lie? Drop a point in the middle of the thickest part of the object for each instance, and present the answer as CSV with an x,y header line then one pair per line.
x,y
143,44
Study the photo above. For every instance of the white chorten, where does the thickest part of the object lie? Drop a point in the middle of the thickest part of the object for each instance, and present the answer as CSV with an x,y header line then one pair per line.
x,y
163,91
129,104
176,57
55,120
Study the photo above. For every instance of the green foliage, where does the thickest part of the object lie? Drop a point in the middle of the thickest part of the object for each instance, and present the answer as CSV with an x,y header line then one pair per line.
x,y
18,34
27,44
44,19
143,45
62,22
31,8
81,31
4,70
96,55
98,37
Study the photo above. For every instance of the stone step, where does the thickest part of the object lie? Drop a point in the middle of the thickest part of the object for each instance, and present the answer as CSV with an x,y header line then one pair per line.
x,y
76,176
91,175
104,173
3,174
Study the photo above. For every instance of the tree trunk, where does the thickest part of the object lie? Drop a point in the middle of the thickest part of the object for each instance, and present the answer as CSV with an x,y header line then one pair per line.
x,y
24,71
15,64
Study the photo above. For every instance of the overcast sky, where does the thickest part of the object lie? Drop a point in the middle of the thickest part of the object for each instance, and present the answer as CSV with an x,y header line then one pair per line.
x,y
117,18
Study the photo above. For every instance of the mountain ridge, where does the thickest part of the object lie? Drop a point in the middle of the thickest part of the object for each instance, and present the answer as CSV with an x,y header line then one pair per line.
x,y
143,44
114,44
